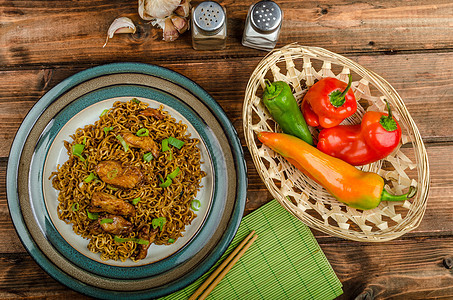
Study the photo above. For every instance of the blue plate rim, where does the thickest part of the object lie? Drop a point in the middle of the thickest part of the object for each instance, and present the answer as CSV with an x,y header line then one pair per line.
x,y
63,246
115,68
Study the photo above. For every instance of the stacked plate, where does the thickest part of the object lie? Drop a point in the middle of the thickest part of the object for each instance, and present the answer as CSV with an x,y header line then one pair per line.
x,y
38,148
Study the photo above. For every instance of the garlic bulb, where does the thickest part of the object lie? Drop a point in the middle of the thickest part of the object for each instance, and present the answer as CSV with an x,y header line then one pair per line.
x,y
120,25
170,15
156,9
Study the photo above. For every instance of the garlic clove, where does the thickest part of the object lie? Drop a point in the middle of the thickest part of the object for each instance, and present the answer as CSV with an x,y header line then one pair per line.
x,y
180,23
120,25
170,31
156,9
183,9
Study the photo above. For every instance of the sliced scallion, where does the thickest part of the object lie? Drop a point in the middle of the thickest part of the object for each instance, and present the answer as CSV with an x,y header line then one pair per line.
x,y
165,145
142,132
195,205
175,173
111,187
142,241
103,221
77,150
92,216
123,142
166,183
112,173
136,200
124,240
171,241
148,157
136,100
159,222
120,240
104,112
75,207
90,177
107,129
175,142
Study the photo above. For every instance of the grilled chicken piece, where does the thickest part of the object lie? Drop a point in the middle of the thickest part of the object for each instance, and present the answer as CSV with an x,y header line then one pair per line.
x,y
152,112
101,201
94,228
146,234
112,172
143,142
119,225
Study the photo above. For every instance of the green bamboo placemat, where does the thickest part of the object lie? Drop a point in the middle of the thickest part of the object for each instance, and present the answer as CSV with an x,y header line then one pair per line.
x,y
285,262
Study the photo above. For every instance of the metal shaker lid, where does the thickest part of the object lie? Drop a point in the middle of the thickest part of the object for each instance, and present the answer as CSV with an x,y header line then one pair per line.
x,y
209,17
266,16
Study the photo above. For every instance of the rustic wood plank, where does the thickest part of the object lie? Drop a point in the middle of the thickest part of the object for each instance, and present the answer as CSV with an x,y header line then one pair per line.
x,y
28,32
422,80
404,269
21,277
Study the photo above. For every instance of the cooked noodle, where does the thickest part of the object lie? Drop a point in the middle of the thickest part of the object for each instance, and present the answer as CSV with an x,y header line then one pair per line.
x,y
172,202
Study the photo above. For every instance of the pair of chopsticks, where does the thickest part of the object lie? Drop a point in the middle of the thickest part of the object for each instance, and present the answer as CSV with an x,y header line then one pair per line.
x,y
223,269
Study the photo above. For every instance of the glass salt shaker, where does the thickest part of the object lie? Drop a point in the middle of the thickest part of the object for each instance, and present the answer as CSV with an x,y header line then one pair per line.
x,y
262,27
209,30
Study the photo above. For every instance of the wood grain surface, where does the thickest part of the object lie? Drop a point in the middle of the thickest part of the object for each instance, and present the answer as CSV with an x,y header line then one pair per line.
x,y
409,43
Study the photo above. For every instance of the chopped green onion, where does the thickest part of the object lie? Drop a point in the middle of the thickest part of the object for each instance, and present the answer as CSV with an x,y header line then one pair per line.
x,y
142,132
75,207
141,241
158,222
175,173
195,205
92,216
148,157
124,240
136,200
166,183
84,140
111,187
112,173
104,112
123,142
136,100
103,221
90,177
171,155
107,129
77,150
165,145
120,240
175,142
171,241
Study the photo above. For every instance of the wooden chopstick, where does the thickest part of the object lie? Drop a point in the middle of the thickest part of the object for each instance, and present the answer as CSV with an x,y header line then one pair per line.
x,y
223,269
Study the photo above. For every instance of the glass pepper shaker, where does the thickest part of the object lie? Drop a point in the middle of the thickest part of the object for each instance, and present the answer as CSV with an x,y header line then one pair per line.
x,y
263,24
209,30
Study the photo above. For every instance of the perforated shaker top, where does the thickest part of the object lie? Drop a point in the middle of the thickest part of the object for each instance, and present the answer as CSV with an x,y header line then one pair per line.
x,y
266,16
209,16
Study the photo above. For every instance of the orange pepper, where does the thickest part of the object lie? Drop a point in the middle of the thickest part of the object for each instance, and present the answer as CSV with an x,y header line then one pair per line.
x,y
349,185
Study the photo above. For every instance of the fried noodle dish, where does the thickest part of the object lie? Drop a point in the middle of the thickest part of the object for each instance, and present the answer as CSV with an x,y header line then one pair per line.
x,y
130,181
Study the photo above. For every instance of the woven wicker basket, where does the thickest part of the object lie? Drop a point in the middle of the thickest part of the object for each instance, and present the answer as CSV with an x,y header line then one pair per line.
x,y
300,67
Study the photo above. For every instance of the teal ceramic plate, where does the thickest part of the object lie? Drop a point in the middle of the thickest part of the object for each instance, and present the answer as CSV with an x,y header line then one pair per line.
x,y
64,238
37,149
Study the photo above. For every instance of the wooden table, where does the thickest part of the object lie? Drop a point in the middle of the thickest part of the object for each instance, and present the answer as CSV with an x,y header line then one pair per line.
x,y
410,43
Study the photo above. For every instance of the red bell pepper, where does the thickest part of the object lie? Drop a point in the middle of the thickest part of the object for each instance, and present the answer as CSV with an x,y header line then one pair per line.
x,y
328,102
375,138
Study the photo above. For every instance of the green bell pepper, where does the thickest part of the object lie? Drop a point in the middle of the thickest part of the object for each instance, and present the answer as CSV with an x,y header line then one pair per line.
x,y
280,101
